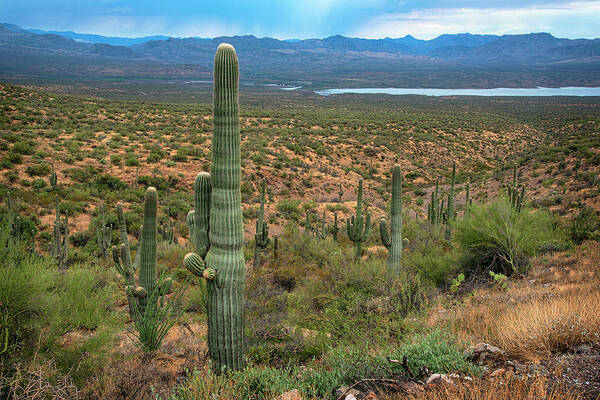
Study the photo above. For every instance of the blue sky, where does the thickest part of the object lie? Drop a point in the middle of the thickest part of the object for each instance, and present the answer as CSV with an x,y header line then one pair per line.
x,y
286,19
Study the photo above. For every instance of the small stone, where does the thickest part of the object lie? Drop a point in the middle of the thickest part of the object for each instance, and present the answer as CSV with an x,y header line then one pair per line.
x,y
436,379
468,379
350,397
583,349
290,395
498,372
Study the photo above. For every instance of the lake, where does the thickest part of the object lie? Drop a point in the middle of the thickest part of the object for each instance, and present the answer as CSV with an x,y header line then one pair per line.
x,y
538,91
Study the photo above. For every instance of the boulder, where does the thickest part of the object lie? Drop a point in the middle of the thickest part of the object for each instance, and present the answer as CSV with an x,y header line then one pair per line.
x,y
290,395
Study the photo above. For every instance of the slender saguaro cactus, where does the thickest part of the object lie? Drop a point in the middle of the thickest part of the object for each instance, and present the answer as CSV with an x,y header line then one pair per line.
x,y
340,194
324,232
60,247
450,213
516,195
103,234
468,199
122,259
307,228
393,240
139,296
335,229
275,247
198,219
261,237
53,179
224,268
358,227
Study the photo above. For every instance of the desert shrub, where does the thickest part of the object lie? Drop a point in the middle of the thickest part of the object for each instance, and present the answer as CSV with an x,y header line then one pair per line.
x,y
38,169
341,366
290,208
499,238
109,183
582,225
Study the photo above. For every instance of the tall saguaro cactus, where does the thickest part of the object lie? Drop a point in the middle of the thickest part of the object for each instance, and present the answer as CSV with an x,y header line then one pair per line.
x,y
261,237
393,240
357,226
103,234
224,266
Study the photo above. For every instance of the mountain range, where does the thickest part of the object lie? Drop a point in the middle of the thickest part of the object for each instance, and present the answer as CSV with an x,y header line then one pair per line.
x,y
267,59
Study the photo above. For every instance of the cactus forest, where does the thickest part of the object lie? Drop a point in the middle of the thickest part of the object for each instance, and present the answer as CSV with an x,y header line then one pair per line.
x,y
219,243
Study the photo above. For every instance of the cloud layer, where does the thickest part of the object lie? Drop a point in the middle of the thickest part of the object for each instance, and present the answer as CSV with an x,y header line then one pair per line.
x,y
306,18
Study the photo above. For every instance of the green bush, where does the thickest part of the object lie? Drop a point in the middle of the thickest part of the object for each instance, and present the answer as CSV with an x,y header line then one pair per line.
x,y
499,238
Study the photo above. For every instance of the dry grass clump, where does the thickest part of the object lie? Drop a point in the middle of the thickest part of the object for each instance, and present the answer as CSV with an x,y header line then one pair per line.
x,y
511,389
535,330
553,310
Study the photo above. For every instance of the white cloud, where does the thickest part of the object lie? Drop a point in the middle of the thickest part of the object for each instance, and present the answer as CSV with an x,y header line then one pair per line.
x,y
569,20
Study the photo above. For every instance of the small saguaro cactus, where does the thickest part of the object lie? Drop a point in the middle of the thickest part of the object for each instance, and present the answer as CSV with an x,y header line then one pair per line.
x,y
307,227
261,237
122,258
275,247
358,227
340,194
468,199
141,294
335,229
53,179
324,231
393,240
103,234
450,213
515,193
60,248
224,268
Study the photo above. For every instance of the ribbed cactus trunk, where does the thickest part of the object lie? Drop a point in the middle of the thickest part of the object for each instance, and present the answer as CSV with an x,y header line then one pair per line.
x,y
393,240
126,269
225,256
147,277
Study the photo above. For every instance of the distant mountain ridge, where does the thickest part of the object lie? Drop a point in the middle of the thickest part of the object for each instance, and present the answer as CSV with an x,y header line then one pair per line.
x,y
291,60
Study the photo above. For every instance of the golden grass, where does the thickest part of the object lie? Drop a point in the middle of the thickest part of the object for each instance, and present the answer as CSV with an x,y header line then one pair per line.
x,y
511,389
553,310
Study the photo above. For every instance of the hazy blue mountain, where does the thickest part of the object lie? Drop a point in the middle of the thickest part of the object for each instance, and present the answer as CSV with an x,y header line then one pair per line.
x,y
333,59
91,38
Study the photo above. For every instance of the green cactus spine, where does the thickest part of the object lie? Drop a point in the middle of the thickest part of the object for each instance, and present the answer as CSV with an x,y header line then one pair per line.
x,y
358,227
393,240
261,237
225,266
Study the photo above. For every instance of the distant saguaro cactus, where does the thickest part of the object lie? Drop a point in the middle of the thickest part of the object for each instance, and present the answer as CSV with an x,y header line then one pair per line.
x,y
261,237
224,267
357,227
393,240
